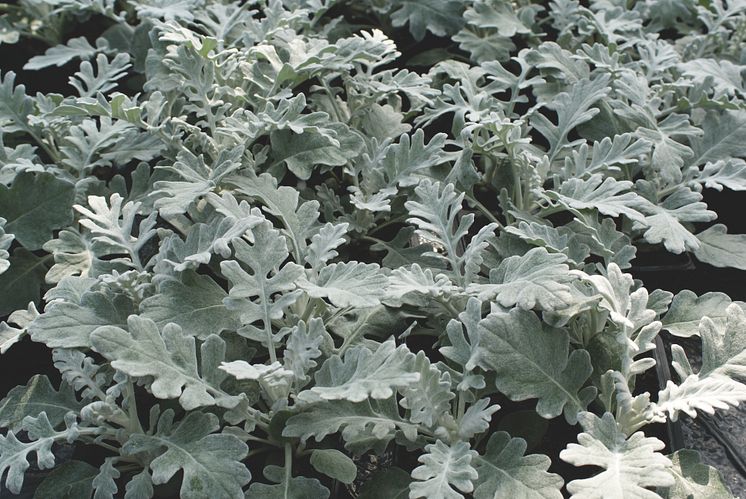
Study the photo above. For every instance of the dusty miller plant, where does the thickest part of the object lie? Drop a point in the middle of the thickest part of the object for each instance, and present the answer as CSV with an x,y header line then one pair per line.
x,y
256,232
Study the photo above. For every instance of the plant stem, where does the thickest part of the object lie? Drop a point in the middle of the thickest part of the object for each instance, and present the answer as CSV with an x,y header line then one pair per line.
x,y
288,467
134,419
483,209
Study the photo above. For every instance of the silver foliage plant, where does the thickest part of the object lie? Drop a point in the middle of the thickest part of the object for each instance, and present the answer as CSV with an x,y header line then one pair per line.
x,y
255,232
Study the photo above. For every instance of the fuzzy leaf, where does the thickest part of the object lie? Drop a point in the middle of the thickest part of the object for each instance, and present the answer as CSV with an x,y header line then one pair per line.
x,y
723,139
538,278
440,17
169,358
302,347
403,281
294,487
687,310
665,224
104,483
210,462
407,161
430,397
445,469
694,478
301,153
504,471
202,241
370,424
694,394
476,419
34,206
730,173
88,83
299,221
68,480
724,347
349,284
324,243
631,464
363,374
334,464
75,48
531,360
720,249
607,195
197,179
15,105
263,294
195,302
36,397
69,325
436,214
573,108
5,242
14,454
112,225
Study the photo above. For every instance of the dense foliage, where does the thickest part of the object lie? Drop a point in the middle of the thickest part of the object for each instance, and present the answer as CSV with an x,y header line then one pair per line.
x,y
304,231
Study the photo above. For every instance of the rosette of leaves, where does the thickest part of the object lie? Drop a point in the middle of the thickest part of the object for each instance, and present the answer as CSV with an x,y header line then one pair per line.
x,y
264,240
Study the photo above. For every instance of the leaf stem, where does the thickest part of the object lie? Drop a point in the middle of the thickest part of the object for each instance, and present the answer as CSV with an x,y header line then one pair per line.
x,y
483,209
134,419
288,467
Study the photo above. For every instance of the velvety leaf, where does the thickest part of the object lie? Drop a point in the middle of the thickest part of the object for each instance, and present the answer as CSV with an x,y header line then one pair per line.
x,y
34,205
210,462
196,179
194,302
392,483
15,105
69,325
720,249
36,397
537,278
297,219
104,483
609,196
363,374
631,464
730,173
723,137
370,424
695,394
263,294
349,284
694,478
67,481
687,309
440,17
724,346
334,464
5,242
284,487
204,240
444,470
301,153
573,108
504,471
15,455
430,397
169,359
22,282
324,243
75,48
531,360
